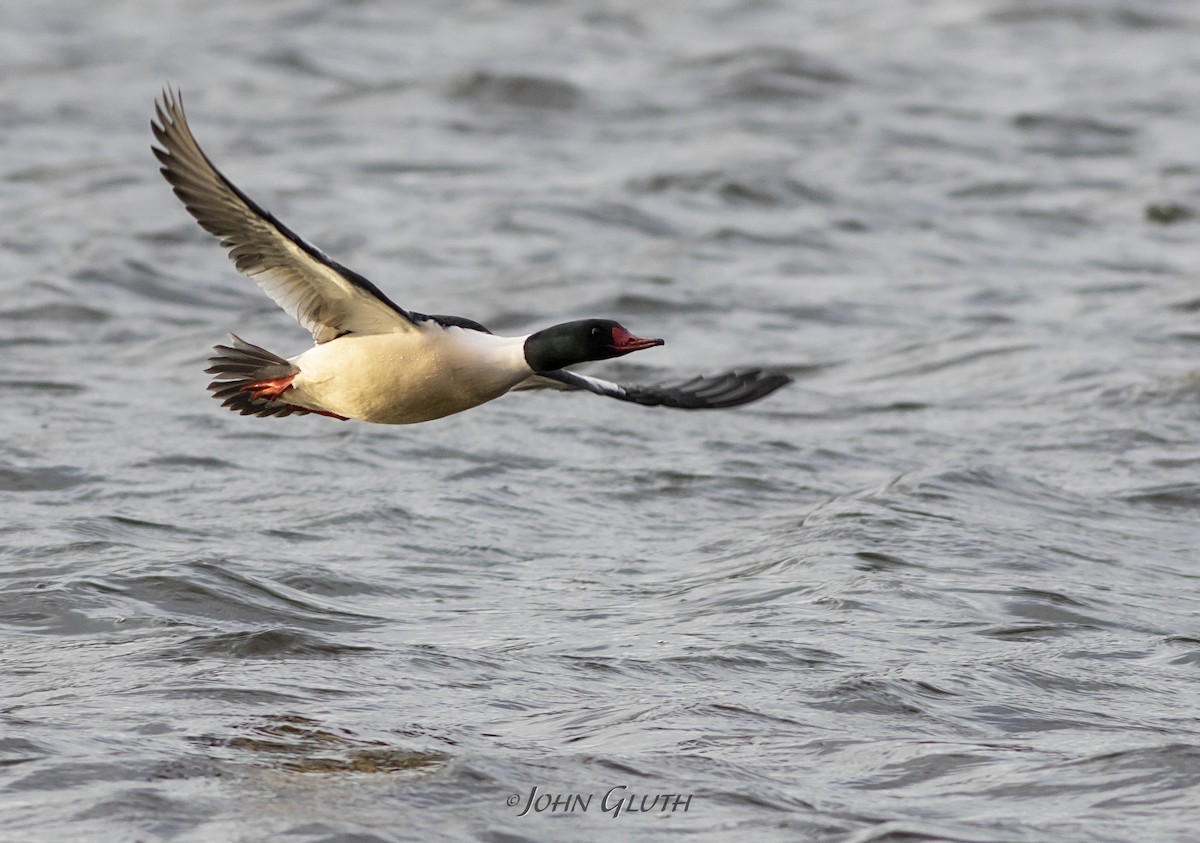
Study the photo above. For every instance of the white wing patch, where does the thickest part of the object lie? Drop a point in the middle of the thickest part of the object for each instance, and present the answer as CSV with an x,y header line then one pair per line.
x,y
570,382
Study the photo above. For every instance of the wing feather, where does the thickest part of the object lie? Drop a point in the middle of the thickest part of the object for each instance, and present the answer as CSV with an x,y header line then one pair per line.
x,y
706,392
322,295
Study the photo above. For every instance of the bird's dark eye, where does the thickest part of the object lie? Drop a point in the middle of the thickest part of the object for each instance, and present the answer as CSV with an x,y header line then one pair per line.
x,y
596,332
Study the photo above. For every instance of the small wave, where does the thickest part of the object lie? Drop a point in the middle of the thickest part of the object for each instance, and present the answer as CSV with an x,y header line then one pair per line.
x,y
43,386
58,313
41,478
879,696
766,185
769,73
789,238
1173,496
272,643
305,745
1062,136
642,304
211,593
186,461
549,217
70,609
145,281
14,751
401,166
1088,16
516,89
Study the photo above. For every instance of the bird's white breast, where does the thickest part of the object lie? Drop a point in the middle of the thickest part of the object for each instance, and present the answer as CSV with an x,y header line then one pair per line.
x,y
403,378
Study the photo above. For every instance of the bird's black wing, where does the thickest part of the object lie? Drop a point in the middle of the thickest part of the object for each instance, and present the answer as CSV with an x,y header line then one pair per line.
x,y
706,392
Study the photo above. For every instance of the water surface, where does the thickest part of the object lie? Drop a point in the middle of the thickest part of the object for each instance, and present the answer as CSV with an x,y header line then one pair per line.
x,y
942,588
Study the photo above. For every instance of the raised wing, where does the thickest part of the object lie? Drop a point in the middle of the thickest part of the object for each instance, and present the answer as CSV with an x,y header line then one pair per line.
x,y
321,294
730,389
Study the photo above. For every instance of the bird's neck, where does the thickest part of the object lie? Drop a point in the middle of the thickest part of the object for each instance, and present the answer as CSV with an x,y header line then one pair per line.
x,y
552,348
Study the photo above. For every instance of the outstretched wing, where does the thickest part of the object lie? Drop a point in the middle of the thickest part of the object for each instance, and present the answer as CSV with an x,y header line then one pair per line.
x,y
730,389
322,295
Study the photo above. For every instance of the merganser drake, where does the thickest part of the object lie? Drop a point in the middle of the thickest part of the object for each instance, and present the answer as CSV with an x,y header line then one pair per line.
x,y
372,359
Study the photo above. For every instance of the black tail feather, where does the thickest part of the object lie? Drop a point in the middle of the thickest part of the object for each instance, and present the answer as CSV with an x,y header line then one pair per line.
x,y
241,364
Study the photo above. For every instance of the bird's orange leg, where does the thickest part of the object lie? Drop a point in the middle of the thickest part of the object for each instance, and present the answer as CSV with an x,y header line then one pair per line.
x,y
269,390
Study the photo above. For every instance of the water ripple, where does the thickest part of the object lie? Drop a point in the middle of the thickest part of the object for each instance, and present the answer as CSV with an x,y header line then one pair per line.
x,y
942,587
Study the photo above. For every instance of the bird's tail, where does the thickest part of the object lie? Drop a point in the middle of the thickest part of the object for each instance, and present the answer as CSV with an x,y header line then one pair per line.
x,y
251,380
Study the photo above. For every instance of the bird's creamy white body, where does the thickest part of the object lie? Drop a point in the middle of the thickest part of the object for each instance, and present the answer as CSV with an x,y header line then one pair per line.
x,y
410,376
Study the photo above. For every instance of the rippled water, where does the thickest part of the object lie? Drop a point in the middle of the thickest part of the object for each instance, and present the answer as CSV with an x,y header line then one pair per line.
x,y
942,588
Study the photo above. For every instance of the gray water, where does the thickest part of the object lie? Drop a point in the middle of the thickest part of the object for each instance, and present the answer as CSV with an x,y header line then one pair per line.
x,y
941,588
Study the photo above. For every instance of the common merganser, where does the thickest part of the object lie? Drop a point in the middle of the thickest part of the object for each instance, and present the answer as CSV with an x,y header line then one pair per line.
x,y
372,359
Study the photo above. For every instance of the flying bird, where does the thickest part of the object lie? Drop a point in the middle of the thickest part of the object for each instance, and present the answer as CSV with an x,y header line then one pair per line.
x,y
372,359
